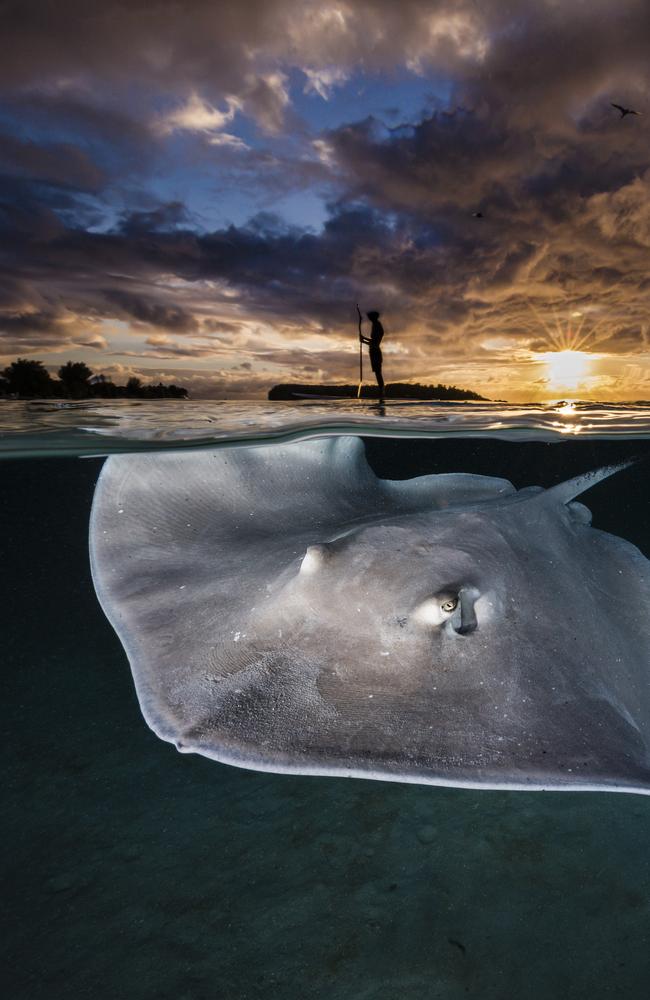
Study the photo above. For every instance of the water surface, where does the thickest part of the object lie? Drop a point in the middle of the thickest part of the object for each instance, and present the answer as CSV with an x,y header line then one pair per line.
x,y
51,427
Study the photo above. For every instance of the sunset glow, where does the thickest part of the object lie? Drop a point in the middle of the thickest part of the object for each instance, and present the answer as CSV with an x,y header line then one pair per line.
x,y
566,369
200,194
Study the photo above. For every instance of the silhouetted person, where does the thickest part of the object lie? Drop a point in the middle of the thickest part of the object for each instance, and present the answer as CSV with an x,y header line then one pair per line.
x,y
373,342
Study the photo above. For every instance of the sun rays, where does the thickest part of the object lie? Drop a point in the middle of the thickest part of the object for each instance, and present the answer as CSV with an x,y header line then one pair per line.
x,y
568,361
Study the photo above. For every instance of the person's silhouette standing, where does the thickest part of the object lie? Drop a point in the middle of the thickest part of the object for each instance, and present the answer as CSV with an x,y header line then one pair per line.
x,y
373,342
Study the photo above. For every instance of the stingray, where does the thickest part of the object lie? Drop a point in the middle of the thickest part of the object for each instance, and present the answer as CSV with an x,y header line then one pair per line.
x,y
284,609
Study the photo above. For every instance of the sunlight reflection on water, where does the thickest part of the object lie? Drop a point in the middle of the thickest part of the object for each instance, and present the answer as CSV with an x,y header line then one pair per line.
x,y
99,427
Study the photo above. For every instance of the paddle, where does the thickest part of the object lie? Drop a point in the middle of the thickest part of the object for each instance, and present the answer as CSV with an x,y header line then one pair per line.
x,y
360,355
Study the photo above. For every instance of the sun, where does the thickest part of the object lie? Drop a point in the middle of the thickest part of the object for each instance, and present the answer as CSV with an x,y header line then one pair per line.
x,y
569,368
566,369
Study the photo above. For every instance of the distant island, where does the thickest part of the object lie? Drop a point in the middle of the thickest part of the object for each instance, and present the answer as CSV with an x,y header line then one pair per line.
x,y
29,379
394,390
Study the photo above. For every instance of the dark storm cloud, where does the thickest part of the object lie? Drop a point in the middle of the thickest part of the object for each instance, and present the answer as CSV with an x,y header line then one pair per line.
x,y
30,328
549,58
282,269
98,119
162,218
230,47
151,313
524,51
465,159
57,163
24,333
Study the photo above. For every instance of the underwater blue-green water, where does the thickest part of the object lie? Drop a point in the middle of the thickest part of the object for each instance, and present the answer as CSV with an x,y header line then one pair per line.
x,y
132,871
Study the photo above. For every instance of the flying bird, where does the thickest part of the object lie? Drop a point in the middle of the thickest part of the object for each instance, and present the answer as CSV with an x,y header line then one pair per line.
x,y
477,215
625,111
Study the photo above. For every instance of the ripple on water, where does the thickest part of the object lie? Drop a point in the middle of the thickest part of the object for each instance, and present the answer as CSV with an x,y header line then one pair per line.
x,y
49,427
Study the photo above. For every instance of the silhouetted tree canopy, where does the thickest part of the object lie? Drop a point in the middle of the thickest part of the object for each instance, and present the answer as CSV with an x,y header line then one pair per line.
x,y
29,379
74,375
134,386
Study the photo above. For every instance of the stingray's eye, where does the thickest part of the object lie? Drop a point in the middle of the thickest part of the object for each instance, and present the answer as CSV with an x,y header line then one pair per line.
x,y
436,610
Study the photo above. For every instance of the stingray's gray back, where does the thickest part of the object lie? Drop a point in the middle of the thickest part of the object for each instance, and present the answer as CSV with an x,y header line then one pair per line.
x,y
236,654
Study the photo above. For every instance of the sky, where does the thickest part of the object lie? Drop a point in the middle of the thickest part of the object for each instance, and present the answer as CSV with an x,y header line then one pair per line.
x,y
202,192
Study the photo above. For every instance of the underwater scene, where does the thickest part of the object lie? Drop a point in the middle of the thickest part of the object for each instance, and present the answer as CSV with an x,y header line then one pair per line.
x,y
404,652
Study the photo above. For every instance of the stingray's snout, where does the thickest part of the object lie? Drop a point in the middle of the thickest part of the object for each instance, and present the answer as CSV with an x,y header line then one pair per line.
x,y
464,621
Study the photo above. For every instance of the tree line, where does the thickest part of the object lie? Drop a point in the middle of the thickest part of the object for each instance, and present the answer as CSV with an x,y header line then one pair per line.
x,y
394,390
30,379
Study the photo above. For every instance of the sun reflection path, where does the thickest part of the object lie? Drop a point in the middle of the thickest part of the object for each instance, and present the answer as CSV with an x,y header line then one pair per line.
x,y
570,422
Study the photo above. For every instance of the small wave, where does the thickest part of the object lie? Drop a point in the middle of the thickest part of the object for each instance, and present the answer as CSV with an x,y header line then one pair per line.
x,y
49,428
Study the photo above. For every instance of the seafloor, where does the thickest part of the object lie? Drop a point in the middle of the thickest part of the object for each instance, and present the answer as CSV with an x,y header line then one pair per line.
x,y
131,871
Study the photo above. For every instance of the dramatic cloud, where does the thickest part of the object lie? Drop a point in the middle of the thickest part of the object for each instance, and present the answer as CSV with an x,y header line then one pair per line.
x,y
217,185
222,46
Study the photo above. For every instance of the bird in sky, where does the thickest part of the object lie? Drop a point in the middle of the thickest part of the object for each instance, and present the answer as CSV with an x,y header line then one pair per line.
x,y
625,111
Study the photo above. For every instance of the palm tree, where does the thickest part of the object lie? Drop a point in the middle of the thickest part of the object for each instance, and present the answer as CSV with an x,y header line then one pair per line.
x,y
74,375
134,386
29,378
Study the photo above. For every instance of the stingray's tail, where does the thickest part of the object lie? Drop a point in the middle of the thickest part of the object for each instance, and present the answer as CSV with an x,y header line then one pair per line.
x,y
571,488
